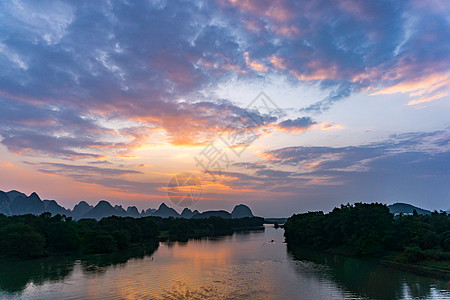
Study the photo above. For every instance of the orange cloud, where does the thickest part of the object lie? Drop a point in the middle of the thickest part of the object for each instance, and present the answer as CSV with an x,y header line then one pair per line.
x,y
318,71
275,10
292,130
253,64
427,88
428,98
254,25
287,31
299,130
223,64
327,126
279,13
417,86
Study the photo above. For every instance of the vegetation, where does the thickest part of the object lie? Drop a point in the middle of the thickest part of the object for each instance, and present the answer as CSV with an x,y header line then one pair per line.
x,y
371,230
28,236
182,229
280,221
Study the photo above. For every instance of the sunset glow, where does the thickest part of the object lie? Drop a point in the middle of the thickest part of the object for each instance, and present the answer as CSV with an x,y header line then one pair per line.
x,y
111,100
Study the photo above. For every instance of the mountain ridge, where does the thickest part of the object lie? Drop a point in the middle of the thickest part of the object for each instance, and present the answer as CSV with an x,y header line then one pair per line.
x,y
406,208
17,203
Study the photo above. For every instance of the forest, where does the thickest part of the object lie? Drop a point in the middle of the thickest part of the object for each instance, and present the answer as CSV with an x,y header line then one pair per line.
x,y
30,236
371,230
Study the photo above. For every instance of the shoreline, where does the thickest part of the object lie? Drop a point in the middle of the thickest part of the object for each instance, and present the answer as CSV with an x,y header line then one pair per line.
x,y
417,269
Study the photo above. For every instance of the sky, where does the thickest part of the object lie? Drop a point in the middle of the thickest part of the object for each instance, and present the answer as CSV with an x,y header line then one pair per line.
x,y
286,106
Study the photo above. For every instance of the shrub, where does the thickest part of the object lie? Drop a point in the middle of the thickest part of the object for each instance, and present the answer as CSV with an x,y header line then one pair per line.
x,y
21,240
413,253
98,242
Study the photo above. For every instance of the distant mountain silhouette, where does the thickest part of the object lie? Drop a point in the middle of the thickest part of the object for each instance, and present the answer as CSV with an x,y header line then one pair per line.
x,y
132,211
4,204
212,213
101,210
148,212
241,211
81,209
165,212
17,203
27,205
14,194
187,213
120,209
405,208
54,208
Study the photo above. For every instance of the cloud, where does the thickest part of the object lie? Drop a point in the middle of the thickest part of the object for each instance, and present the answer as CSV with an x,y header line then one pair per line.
x,y
425,89
350,46
48,23
55,130
109,53
340,92
300,124
114,178
358,158
59,168
249,165
273,173
198,123
399,169
131,57
149,63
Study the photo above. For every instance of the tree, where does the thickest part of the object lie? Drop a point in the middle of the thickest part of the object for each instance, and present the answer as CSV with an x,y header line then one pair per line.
x,y
62,236
99,241
122,238
21,240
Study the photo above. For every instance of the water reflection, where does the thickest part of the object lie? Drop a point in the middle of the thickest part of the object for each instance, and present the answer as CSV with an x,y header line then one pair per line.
x,y
99,263
367,278
14,276
246,265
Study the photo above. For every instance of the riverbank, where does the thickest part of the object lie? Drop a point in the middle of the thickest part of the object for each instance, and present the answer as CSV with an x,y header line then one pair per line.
x,y
167,235
416,243
247,265
31,236
429,268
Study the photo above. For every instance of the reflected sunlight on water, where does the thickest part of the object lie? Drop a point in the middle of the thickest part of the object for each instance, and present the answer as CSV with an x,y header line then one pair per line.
x,y
246,265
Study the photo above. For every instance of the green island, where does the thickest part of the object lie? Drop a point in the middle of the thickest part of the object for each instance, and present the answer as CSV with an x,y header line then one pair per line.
x,y
32,236
417,243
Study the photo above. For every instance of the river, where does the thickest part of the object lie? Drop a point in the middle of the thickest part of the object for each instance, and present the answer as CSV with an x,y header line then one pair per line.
x,y
246,265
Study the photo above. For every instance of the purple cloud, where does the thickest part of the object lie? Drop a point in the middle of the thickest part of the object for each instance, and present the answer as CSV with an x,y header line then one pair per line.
x,y
400,169
296,124
96,79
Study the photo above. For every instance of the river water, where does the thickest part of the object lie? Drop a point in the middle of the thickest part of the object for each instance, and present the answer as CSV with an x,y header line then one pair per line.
x,y
246,265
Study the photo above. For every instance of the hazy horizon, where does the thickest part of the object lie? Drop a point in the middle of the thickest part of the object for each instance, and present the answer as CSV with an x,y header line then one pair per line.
x,y
179,209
